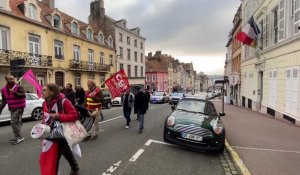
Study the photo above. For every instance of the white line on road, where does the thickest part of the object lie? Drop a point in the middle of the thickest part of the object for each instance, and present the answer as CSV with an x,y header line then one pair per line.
x,y
148,143
136,155
264,149
111,119
151,107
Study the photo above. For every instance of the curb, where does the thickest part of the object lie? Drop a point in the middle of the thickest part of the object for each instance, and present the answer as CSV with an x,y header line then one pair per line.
x,y
239,164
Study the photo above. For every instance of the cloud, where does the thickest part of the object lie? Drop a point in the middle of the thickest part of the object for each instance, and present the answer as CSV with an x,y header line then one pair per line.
x,y
196,29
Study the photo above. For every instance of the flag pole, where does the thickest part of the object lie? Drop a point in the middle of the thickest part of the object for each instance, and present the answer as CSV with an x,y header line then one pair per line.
x,y
17,82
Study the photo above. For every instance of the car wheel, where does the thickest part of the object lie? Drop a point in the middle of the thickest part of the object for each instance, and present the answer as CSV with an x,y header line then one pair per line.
x,y
108,106
37,114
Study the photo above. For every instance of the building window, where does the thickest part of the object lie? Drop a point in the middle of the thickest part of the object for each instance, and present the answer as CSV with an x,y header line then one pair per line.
x,y
129,70
110,42
281,20
90,34
128,40
142,45
77,80
135,56
102,59
59,78
261,40
76,53
102,79
120,37
135,43
91,76
142,71
153,78
58,49
121,66
148,78
297,16
75,28
101,38
275,25
111,57
32,11
34,45
121,52
135,71
128,54
4,38
142,58
56,21
91,56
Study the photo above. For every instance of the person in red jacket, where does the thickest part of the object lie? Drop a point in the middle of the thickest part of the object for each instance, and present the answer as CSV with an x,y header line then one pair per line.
x,y
57,107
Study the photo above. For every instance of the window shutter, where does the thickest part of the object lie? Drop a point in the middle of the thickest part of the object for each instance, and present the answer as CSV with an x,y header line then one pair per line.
x,y
281,20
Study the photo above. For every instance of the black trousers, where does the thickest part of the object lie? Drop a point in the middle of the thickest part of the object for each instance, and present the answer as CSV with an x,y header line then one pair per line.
x,y
127,113
65,150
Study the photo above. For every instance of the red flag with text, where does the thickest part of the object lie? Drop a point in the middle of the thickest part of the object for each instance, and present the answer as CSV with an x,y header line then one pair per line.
x,y
118,84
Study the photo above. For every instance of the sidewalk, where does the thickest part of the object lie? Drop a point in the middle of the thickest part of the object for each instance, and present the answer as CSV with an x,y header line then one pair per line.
x,y
267,146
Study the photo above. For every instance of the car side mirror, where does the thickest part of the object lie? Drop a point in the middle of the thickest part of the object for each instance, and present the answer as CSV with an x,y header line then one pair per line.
x,y
221,114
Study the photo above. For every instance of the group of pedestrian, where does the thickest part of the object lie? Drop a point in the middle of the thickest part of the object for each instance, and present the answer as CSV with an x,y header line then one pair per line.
x,y
139,102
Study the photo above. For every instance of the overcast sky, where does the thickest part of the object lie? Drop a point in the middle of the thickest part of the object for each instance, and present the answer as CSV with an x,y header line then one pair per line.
x,y
190,30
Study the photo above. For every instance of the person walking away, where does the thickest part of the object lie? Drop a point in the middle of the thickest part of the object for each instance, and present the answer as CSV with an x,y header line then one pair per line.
x,y
148,95
57,107
80,95
93,103
231,99
14,96
70,94
141,106
128,103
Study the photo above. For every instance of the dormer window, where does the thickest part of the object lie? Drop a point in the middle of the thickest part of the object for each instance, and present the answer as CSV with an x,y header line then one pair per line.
x,y
101,38
75,28
56,21
110,42
32,11
90,34
124,24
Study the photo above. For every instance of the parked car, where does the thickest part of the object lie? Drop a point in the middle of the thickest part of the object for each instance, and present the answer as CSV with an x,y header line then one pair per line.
x,y
195,124
175,97
159,97
33,108
117,101
106,99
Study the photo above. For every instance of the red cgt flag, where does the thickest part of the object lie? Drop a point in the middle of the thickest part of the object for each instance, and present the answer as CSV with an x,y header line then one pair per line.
x,y
118,84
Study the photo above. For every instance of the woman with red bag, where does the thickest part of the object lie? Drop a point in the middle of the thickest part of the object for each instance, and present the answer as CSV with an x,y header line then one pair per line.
x,y
56,107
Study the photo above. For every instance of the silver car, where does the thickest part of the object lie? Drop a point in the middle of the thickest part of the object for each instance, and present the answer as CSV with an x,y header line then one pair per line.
x,y
33,108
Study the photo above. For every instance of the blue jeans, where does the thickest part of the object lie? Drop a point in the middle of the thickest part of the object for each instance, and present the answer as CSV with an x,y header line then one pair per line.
x,y
127,113
141,119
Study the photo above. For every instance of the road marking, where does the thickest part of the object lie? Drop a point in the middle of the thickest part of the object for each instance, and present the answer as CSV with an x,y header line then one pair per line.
x,y
148,143
265,149
112,168
151,107
111,119
136,155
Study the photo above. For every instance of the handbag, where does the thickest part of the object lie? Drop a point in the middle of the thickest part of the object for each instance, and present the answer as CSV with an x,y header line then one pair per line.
x,y
73,132
56,132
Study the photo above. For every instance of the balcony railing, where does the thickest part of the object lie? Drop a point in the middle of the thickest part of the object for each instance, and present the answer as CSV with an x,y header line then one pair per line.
x,y
31,60
86,66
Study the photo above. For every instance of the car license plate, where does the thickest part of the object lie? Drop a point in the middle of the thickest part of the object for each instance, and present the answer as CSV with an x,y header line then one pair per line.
x,y
115,102
192,137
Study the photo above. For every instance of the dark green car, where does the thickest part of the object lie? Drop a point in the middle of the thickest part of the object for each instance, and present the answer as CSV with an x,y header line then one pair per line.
x,y
195,124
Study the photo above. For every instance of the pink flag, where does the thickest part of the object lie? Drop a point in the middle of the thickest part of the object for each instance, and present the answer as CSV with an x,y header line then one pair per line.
x,y
31,78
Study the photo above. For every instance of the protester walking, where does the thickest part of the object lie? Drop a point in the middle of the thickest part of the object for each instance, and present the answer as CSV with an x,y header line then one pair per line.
x,y
80,95
70,94
231,99
128,103
93,102
14,96
141,106
57,107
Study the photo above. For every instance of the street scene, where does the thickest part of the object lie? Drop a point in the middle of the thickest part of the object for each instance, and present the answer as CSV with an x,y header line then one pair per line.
x,y
149,87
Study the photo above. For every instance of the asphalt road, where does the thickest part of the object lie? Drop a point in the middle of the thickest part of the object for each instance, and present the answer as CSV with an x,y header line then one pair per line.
x,y
116,151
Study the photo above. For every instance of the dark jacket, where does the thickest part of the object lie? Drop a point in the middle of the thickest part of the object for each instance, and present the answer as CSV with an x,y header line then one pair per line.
x,y
141,103
71,96
130,102
80,95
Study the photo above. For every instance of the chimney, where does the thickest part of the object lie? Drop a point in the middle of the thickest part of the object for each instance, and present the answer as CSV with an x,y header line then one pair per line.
x,y
150,55
158,53
97,12
50,3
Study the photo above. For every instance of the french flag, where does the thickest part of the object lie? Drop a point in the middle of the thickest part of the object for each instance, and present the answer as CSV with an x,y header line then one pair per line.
x,y
249,33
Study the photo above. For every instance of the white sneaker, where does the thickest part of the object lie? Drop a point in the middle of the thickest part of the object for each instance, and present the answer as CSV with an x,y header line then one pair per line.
x,y
126,126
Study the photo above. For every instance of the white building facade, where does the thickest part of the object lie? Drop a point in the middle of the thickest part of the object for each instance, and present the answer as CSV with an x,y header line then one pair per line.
x,y
130,46
270,73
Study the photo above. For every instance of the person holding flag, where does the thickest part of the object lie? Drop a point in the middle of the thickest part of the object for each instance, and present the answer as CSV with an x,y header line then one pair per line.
x,y
14,96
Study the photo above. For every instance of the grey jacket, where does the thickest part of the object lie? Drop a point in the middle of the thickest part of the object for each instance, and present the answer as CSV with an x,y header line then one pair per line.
x,y
130,100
